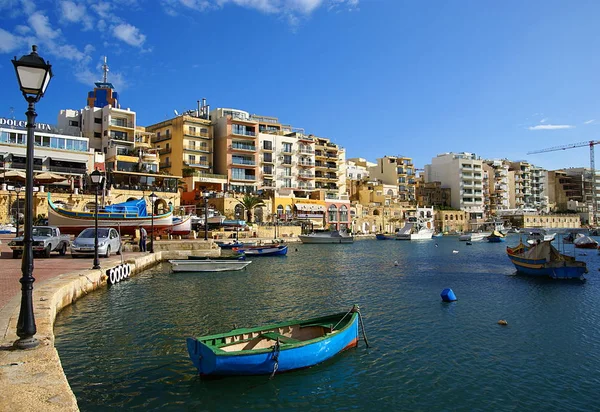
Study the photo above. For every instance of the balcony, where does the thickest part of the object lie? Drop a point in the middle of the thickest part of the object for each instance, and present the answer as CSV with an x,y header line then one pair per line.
x,y
164,165
267,172
165,150
242,146
242,162
267,160
243,133
201,148
306,175
161,138
306,151
267,148
268,183
203,165
245,178
121,123
203,135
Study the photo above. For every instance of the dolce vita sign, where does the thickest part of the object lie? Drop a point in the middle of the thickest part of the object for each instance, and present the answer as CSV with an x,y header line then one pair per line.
x,y
22,124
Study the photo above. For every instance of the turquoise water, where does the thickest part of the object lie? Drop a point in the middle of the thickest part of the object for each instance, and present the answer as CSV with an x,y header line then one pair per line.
x,y
124,346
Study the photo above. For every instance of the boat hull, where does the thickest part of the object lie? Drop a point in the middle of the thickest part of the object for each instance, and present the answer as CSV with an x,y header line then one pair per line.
x,y
181,226
263,251
558,267
381,236
325,239
288,357
192,265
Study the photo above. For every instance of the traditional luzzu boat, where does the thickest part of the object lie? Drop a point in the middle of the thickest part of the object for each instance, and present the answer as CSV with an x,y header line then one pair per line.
x,y
126,216
267,250
496,237
543,259
275,348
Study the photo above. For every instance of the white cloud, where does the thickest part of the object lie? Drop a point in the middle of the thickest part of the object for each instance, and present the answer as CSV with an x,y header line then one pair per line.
x,y
551,127
129,34
544,120
589,121
76,13
42,28
9,42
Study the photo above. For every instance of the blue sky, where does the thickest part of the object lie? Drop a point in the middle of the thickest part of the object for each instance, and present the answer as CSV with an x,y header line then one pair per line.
x,y
378,77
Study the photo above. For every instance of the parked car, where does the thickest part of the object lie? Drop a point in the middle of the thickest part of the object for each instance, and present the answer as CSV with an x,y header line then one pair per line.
x,y
46,239
109,241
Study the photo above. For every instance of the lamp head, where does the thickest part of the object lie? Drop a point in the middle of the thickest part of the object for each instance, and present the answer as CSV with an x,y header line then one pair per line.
x,y
33,74
152,197
96,177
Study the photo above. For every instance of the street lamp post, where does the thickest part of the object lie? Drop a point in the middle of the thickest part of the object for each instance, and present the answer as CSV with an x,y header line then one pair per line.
x,y
17,189
96,178
275,224
206,195
152,198
33,74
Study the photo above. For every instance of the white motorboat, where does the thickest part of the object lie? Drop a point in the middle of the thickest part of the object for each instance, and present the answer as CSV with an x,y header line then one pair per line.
x,y
419,227
536,234
327,236
473,236
208,265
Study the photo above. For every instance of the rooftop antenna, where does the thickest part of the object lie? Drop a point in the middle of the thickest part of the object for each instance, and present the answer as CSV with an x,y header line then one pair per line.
x,y
105,70
176,112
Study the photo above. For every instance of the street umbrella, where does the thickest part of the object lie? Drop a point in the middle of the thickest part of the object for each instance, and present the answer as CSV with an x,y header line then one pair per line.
x,y
48,177
14,174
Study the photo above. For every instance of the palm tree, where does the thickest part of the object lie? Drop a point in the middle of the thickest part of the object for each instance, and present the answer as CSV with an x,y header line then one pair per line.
x,y
249,202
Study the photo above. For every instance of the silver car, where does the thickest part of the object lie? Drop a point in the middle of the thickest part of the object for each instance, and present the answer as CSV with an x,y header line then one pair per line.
x,y
109,241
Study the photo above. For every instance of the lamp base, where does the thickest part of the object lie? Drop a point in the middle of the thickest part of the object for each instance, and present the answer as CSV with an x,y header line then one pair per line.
x,y
26,343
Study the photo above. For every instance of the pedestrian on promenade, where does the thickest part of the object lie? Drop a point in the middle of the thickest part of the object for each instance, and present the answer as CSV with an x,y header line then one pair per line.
x,y
143,237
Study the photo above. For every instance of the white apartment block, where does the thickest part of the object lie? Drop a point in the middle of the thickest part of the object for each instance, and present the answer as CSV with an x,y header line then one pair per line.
x,y
498,188
357,169
463,174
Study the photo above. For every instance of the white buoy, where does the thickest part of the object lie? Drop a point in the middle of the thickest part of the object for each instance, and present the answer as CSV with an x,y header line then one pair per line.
x,y
455,251
395,263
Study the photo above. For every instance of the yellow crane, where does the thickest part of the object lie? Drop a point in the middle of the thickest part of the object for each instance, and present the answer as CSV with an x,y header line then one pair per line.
x,y
591,144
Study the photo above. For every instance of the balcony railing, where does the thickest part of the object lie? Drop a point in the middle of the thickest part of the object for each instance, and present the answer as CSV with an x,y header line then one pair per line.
x,y
246,162
241,146
243,177
161,138
201,148
165,150
198,134
243,133
121,123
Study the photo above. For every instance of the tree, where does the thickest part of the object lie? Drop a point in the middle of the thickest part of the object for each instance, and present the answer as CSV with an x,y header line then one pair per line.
x,y
249,202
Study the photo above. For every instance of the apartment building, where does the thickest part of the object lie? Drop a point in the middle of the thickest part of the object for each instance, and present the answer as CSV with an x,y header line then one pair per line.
x,y
330,175
590,188
236,149
463,174
399,171
497,193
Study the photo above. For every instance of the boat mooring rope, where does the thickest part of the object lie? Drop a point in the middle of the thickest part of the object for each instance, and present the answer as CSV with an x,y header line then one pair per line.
x,y
276,350
362,327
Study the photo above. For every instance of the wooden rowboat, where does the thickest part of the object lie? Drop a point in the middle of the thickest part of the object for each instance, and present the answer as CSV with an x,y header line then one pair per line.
x,y
268,250
275,348
192,265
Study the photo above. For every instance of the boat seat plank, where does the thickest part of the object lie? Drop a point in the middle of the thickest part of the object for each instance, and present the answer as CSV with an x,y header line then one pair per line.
x,y
327,326
282,339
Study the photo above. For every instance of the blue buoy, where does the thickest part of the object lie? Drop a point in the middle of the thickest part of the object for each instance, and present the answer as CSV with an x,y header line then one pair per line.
x,y
448,295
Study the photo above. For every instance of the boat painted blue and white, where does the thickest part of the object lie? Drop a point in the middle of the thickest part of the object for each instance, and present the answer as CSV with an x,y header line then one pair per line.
x,y
267,250
543,259
275,348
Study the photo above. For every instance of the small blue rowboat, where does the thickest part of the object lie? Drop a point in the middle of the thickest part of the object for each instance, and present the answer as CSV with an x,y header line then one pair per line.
x,y
273,250
275,348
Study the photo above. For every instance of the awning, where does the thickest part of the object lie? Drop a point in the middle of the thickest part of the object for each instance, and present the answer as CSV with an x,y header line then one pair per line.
x,y
310,207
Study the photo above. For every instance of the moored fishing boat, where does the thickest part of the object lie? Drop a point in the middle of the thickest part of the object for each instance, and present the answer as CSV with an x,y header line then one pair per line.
x,y
267,250
275,348
585,242
418,227
496,237
543,259
328,236
208,265
127,216
383,236
235,243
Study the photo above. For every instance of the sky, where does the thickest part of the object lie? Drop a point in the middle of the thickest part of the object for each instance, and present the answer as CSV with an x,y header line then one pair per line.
x,y
378,77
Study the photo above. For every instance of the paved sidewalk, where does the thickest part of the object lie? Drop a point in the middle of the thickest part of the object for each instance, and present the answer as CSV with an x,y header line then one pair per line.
x,y
43,269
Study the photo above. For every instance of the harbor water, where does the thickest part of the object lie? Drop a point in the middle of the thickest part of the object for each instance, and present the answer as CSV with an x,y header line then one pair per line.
x,y
124,346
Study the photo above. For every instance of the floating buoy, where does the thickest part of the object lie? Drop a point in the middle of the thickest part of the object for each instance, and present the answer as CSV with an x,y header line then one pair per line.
x,y
395,263
469,243
448,295
502,322
455,251
436,245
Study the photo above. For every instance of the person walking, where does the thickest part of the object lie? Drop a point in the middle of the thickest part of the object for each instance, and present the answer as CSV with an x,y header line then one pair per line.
x,y
143,238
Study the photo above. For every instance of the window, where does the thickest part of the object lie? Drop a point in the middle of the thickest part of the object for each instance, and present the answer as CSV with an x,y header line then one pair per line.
x,y
287,171
268,157
98,135
287,160
343,214
332,213
192,159
73,123
287,182
192,130
267,145
287,147
97,120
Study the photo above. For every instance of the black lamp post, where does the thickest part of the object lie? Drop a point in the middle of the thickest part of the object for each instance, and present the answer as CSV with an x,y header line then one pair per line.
x,y
275,224
17,189
33,74
206,195
96,178
152,198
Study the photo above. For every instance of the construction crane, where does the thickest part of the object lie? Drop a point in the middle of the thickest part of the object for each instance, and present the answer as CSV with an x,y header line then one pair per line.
x,y
591,144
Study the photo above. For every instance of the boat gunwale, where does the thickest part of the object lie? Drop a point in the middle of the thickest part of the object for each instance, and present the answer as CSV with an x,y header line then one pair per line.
x,y
284,346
